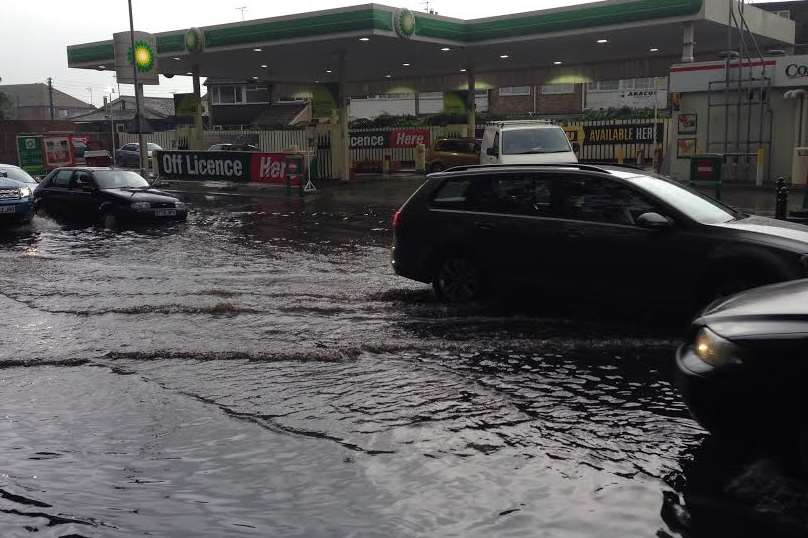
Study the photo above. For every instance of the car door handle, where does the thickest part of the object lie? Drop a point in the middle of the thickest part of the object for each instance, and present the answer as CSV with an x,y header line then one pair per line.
x,y
485,226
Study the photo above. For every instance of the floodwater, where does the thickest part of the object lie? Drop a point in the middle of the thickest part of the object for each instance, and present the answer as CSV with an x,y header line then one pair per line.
x,y
259,371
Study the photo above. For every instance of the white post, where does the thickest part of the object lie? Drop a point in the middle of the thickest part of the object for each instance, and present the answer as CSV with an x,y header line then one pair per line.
x,y
689,43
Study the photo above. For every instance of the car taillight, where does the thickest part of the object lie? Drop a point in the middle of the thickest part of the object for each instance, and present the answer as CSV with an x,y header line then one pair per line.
x,y
397,220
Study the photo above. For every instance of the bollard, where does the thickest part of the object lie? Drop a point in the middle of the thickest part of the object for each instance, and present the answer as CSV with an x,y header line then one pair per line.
x,y
781,203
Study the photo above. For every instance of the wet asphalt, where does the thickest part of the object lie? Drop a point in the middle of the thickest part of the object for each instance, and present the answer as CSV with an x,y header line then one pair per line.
x,y
260,371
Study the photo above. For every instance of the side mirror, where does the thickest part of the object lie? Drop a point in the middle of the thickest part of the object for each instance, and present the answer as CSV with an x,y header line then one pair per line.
x,y
654,221
492,151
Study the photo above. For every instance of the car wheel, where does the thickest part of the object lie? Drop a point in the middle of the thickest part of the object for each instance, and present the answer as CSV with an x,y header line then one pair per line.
x,y
436,167
458,280
109,220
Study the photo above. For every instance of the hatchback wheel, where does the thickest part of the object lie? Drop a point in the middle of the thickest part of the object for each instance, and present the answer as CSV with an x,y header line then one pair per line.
x,y
458,280
109,220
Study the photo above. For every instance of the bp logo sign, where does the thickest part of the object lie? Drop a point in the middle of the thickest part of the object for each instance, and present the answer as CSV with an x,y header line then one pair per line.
x,y
404,23
143,56
194,40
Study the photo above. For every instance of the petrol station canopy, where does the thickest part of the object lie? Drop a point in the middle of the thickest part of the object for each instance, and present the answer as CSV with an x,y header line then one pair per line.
x,y
374,49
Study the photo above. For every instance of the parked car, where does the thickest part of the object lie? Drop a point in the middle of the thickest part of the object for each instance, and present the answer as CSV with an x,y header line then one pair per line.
x,y
586,231
105,195
233,147
451,152
16,194
128,156
525,142
743,371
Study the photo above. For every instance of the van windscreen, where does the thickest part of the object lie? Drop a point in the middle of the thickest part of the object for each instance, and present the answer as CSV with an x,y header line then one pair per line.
x,y
534,141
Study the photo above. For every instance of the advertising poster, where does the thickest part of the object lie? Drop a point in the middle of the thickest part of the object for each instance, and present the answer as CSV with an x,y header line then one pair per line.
x,y
456,102
58,151
186,105
685,148
688,124
30,155
324,100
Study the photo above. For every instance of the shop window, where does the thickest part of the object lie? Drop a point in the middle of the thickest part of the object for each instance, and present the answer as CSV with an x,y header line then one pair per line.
x,y
256,94
558,89
513,91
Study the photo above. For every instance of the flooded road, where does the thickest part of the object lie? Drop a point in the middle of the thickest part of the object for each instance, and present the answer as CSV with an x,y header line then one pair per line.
x,y
259,371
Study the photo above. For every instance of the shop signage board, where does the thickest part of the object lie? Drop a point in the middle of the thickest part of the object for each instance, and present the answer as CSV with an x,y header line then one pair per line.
x,y
393,139
30,154
238,166
144,57
615,134
186,105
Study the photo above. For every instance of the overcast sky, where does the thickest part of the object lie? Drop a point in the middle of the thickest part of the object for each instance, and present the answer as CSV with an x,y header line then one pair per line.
x,y
34,34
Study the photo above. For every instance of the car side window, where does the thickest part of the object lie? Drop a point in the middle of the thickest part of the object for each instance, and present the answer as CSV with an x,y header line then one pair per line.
x,y
453,194
517,194
440,146
602,200
80,180
129,147
495,143
62,178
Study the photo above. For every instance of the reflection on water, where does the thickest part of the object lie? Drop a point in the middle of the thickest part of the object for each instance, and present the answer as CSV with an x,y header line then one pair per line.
x,y
259,371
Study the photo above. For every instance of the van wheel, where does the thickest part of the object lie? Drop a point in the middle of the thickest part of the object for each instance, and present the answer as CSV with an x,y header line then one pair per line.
x,y
436,167
109,220
458,280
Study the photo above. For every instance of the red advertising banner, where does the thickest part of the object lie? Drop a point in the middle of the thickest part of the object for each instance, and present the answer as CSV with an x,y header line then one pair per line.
x,y
396,138
272,168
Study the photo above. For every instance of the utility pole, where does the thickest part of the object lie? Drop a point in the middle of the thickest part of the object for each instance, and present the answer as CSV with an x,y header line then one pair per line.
x,y
91,96
138,93
242,9
50,94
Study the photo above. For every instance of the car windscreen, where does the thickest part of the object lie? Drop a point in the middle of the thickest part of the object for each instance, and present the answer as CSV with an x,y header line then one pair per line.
x,y
119,179
695,205
153,147
16,174
534,141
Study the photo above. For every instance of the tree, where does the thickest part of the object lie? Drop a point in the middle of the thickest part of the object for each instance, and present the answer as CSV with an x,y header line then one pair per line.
x,y
6,107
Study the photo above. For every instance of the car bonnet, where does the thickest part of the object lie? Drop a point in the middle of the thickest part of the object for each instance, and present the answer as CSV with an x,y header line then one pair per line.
x,y
776,310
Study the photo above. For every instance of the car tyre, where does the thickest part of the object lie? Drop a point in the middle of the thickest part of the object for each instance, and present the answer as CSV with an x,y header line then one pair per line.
x,y
109,220
458,280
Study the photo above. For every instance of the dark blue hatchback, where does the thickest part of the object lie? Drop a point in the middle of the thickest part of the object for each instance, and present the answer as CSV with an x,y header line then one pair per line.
x,y
16,194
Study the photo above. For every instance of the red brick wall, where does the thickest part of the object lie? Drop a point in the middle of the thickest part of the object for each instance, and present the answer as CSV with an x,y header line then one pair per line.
x,y
545,104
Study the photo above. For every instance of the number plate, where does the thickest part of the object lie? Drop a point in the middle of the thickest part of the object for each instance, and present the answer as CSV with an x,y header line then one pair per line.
x,y
7,209
165,212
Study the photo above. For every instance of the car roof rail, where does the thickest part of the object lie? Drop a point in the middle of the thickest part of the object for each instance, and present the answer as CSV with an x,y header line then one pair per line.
x,y
508,123
580,166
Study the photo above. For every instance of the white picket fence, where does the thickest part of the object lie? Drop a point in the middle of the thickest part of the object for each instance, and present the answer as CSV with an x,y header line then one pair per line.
x,y
268,141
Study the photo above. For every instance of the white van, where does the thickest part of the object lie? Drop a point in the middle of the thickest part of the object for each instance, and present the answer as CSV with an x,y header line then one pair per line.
x,y
525,142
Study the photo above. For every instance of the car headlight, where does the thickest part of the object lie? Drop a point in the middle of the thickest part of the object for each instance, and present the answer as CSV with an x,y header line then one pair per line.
x,y
714,350
141,205
25,192
181,205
